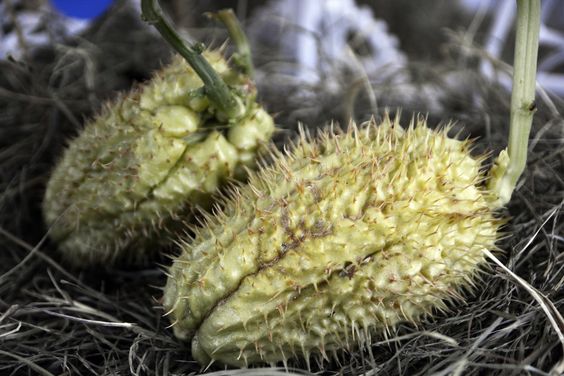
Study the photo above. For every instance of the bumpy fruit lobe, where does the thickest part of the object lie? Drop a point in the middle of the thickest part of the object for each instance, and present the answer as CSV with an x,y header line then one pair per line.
x,y
146,161
338,240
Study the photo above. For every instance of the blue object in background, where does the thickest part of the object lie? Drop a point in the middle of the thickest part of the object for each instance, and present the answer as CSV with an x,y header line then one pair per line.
x,y
83,9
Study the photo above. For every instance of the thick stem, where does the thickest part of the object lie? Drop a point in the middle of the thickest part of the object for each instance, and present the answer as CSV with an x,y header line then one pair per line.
x,y
522,96
216,89
228,18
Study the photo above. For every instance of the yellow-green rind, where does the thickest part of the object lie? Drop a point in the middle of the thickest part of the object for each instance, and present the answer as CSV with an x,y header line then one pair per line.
x,y
338,240
146,161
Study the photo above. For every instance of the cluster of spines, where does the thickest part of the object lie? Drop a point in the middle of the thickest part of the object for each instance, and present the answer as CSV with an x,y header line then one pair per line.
x,y
274,163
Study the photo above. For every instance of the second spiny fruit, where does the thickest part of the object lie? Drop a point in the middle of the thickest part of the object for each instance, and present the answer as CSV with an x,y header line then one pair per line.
x,y
139,167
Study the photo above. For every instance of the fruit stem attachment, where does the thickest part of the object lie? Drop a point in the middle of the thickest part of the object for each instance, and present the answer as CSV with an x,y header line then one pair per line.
x,y
511,162
243,56
215,88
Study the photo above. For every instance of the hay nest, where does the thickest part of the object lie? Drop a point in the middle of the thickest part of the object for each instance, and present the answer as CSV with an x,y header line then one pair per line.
x,y
54,320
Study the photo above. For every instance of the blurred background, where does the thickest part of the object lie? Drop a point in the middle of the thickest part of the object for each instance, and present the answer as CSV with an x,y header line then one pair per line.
x,y
349,51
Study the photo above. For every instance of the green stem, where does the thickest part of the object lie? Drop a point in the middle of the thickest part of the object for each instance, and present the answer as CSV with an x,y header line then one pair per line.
x,y
216,89
522,96
228,18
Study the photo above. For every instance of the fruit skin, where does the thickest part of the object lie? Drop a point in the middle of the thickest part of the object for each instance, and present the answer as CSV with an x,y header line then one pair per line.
x,y
146,161
340,239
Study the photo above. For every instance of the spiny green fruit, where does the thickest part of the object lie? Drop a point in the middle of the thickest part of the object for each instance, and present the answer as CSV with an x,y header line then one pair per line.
x,y
147,160
336,241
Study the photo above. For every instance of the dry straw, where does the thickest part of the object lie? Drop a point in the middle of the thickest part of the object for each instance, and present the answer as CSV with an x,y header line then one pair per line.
x,y
59,321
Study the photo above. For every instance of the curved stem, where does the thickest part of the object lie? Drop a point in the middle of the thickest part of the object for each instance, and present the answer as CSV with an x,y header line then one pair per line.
x,y
522,97
228,18
216,89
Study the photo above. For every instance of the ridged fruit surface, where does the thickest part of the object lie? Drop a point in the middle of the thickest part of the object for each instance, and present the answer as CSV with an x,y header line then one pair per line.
x,y
338,240
148,159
